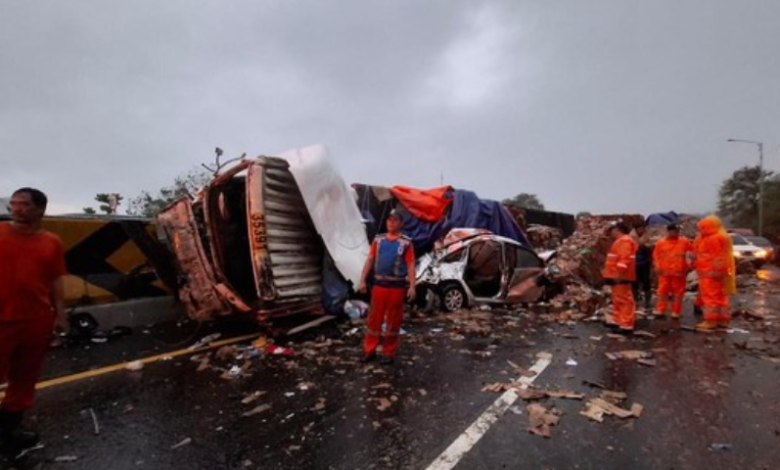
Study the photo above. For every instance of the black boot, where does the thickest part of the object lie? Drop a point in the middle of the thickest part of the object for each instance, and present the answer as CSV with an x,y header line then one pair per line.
x,y
11,433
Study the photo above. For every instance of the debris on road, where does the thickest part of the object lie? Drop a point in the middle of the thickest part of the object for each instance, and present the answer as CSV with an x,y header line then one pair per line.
x,y
722,446
384,404
540,420
596,408
252,397
181,444
95,424
256,410
278,350
530,394
134,366
206,340
631,355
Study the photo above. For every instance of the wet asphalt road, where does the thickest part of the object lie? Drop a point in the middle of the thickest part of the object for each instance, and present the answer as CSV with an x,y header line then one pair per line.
x,y
327,410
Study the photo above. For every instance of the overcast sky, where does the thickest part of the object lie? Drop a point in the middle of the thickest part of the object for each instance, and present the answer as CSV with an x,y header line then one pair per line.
x,y
594,105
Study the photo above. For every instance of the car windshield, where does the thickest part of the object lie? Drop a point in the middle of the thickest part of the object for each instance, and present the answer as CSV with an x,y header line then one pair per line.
x,y
738,239
760,241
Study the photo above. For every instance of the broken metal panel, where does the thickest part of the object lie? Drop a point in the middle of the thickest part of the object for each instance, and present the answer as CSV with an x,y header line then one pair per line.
x,y
197,292
284,243
258,236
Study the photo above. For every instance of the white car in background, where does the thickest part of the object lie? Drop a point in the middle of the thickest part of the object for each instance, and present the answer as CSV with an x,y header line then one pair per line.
x,y
745,250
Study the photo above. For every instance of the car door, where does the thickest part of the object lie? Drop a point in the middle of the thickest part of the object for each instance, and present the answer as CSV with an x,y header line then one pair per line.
x,y
523,267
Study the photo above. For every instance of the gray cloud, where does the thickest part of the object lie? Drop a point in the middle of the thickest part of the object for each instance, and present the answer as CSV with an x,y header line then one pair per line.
x,y
599,105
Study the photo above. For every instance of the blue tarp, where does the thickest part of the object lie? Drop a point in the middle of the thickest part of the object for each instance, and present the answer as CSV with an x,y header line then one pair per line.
x,y
466,211
666,218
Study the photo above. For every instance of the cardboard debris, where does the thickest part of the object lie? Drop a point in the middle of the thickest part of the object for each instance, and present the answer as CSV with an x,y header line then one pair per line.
x,y
257,410
320,405
519,370
544,238
582,255
227,353
252,397
631,355
204,364
596,408
593,384
613,397
384,404
540,420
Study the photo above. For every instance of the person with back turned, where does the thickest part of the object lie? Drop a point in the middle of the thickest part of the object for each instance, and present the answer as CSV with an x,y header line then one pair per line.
x,y
620,272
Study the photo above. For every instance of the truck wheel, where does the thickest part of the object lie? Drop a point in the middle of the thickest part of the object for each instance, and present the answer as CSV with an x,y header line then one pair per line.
x,y
453,298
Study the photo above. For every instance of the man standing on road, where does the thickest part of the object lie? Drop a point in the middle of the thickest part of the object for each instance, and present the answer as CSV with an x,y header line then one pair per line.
x,y
620,271
714,262
392,261
644,262
670,261
32,266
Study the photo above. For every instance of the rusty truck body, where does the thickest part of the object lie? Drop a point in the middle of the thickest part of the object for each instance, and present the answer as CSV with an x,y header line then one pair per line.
x,y
246,244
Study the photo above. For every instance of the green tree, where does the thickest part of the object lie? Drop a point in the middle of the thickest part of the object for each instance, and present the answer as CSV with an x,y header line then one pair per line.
x,y
738,196
89,210
105,202
148,204
525,201
772,208
583,214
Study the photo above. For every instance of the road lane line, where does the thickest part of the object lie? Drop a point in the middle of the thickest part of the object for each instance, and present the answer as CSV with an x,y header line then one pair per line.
x,y
147,360
466,441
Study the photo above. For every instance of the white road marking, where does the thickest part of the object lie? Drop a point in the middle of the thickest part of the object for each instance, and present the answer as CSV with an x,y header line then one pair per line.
x,y
466,441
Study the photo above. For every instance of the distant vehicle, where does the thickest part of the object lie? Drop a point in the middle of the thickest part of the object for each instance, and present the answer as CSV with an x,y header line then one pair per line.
x,y
745,250
764,243
745,232
476,267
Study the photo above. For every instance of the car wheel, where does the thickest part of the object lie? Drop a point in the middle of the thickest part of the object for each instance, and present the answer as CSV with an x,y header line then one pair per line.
x,y
453,298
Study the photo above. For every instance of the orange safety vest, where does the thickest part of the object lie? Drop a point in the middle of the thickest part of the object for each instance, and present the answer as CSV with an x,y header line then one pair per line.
x,y
621,260
669,257
712,255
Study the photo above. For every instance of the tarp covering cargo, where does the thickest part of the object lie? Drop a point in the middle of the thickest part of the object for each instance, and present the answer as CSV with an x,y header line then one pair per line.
x,y
332,208
466,210
666,218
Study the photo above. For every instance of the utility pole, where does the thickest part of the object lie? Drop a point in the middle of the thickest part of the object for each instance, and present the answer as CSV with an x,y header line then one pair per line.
x,y
760,180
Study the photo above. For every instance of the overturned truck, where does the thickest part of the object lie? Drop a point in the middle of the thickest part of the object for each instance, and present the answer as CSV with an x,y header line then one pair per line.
x,y
246,244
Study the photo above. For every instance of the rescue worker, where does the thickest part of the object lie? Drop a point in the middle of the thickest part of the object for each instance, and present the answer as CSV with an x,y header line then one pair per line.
x,y
644,266
620,272
32,266
715,265
670,262
392,261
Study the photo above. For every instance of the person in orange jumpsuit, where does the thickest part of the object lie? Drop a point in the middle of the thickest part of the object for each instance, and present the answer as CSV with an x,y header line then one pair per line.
x,y
714,263
391,260
32,267
620,271
670,261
